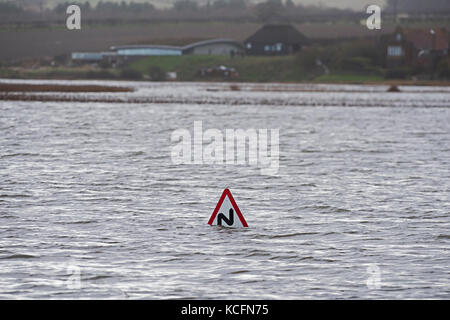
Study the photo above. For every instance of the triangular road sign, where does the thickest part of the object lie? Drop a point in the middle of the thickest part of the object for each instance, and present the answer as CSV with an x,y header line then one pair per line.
x,y
227,213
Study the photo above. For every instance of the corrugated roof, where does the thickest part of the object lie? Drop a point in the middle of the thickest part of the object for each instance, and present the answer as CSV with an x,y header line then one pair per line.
x,y
278,33
212,41
145,47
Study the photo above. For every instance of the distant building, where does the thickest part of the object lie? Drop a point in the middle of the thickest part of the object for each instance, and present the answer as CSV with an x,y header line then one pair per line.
x,y
408,47
97,57
275,39
125,53
147,50
87,56
214,47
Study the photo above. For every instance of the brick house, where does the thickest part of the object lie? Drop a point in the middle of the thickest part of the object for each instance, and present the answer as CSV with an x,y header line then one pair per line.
x,y
412,47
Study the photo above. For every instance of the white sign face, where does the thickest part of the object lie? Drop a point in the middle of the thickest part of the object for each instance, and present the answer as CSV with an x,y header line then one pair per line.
x,y
227,213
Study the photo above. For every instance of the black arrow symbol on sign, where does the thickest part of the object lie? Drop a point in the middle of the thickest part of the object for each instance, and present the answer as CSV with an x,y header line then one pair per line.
x,y
229,221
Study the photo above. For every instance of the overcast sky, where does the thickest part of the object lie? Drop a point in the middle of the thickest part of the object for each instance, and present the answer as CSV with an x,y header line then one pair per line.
x,y
352,4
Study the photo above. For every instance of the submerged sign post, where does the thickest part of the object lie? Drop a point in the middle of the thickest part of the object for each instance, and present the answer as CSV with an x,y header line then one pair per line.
x,y
227,213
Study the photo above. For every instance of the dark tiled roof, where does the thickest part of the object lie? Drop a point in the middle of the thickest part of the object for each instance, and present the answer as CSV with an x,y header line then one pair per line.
x,y
274,33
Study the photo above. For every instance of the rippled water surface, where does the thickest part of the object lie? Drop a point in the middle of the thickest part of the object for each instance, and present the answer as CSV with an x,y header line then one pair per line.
x,y
359,209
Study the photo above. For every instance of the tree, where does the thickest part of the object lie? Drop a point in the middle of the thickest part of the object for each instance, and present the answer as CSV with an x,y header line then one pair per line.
x,y
269,10
419,6
289,4
229,4
185,5
156,73
10,8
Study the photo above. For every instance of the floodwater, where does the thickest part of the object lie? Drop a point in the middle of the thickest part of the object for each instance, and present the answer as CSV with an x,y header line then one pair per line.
x,y
92,205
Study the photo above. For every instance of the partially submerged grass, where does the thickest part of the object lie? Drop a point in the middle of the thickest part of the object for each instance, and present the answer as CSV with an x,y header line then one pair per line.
x,y
12,87
349,78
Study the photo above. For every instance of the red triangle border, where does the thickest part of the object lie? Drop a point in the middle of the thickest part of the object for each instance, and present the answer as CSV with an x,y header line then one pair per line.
x,y
225,193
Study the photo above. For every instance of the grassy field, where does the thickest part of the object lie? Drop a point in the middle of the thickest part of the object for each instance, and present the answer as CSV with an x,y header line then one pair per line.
x,y
283,69
251,69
